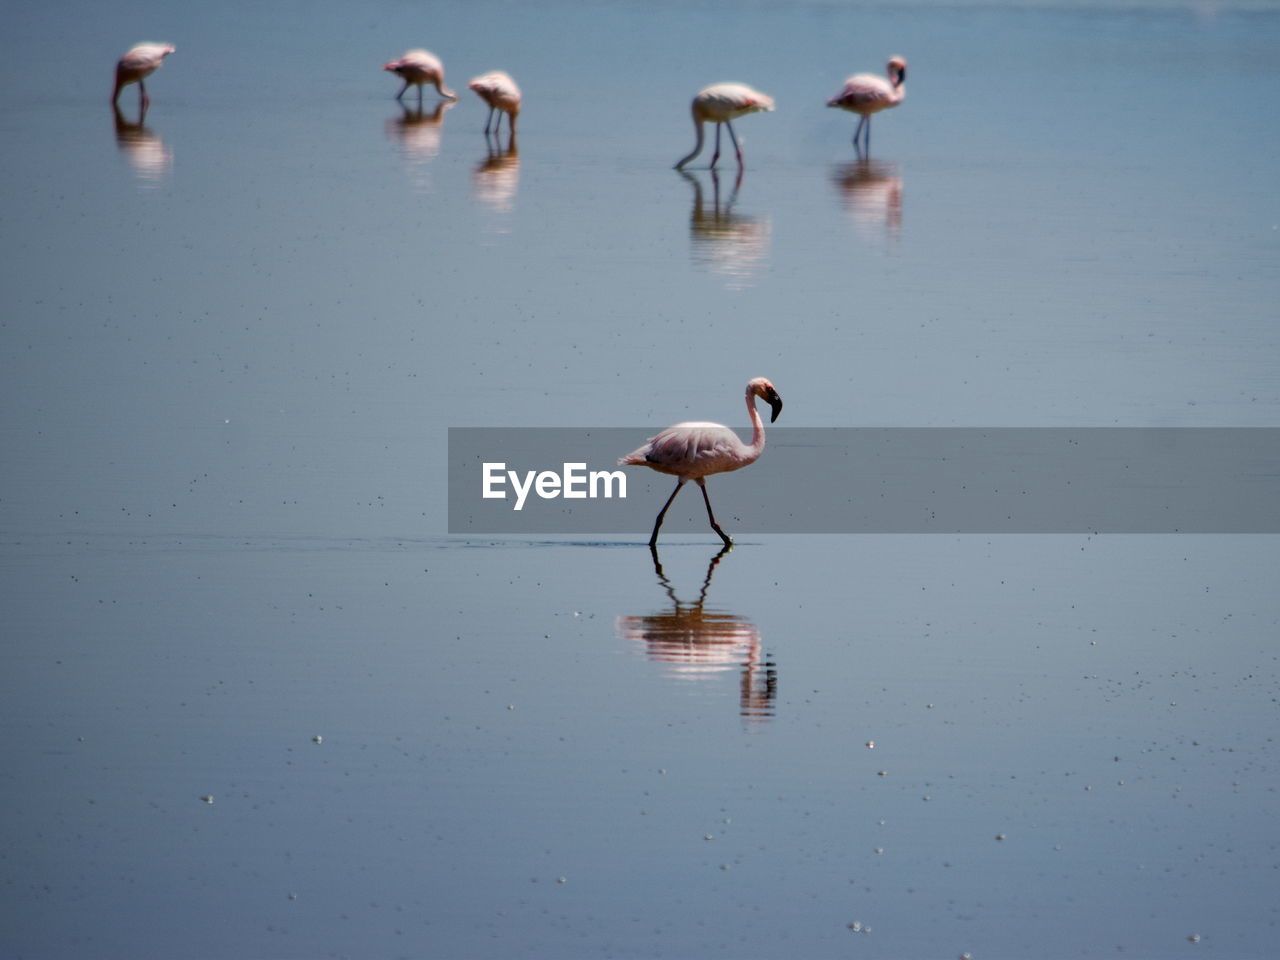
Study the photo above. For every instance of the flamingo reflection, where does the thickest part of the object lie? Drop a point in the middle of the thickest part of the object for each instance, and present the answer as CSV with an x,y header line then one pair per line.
x,y
146,152
872,194
419,133
698,643
496,177
726,242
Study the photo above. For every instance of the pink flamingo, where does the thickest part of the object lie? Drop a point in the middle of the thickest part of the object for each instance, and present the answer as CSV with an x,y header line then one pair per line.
x,y
720,103
694,451
136,65
500,92
865,94
417,68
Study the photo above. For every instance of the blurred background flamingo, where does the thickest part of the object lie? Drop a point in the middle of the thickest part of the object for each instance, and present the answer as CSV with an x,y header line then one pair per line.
x,y
500,92
719,104
695,450
418,68
865,94
135,66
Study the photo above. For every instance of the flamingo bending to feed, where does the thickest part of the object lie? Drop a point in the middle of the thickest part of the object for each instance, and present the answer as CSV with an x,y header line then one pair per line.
x,y
865,94
138,64
500,92
417,68
720,103
694,451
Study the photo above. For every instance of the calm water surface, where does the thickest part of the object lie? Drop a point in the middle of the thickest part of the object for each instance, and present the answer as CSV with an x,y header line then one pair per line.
x,y
257,703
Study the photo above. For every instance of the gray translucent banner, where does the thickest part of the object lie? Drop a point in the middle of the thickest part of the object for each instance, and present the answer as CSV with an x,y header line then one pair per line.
x,y
887,480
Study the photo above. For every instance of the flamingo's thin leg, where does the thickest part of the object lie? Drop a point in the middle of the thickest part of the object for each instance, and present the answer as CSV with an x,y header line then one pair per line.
x,y
657,524
710,516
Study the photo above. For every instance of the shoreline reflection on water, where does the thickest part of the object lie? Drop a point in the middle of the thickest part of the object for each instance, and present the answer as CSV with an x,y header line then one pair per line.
x,y
699,643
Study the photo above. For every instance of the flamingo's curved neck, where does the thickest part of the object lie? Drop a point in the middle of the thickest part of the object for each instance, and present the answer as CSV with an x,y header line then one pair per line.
x,y
757,425
697,147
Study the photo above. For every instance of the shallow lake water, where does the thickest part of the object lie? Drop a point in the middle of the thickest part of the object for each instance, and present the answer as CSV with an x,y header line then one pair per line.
x,y
257,702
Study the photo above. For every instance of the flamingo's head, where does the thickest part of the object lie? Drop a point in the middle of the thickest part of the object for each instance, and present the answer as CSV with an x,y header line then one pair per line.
x,y
762,388
897,70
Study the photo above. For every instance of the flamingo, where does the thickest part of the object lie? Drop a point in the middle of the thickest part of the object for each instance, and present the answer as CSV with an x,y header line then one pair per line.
x,y
695,450
136,65
500,92
417,68
720,103
865,94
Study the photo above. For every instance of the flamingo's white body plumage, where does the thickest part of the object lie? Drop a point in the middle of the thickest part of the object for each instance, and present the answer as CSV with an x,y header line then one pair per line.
x,y
697,449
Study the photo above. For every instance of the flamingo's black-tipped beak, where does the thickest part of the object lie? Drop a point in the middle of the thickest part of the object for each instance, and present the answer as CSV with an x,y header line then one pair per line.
x,y
776,403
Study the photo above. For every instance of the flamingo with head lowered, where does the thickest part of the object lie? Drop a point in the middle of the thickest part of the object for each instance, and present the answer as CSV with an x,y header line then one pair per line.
x,y
865,94
136,65
695,450
719,104
418,68
500,92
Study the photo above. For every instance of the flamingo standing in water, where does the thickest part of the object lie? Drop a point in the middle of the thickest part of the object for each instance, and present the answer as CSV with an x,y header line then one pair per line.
x,y
720,103
500,92
694,451
417,68
865,94
136,65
